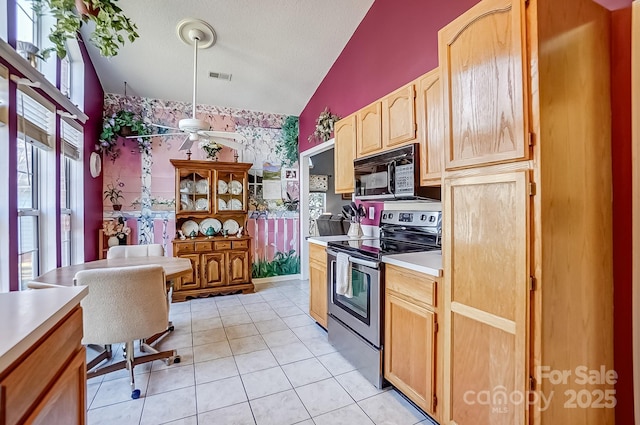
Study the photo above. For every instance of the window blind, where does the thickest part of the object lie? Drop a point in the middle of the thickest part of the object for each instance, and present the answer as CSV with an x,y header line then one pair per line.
x,y
4,99
35,120
72,139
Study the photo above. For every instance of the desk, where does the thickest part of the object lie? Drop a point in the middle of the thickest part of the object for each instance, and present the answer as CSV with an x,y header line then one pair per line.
x,y
173,268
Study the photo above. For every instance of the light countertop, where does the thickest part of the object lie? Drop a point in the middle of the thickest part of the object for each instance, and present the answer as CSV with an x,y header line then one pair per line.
x,y
323,240
425,262
28,315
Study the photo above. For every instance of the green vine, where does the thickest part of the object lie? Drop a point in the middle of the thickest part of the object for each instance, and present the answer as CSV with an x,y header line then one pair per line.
x,y
287,148
112,130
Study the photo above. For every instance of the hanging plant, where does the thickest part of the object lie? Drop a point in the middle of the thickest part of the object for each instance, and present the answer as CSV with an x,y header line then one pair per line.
x,y
287,147
113,129
324,126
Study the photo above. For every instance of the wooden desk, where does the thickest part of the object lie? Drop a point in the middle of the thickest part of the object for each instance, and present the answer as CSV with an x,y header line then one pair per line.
x,y
63,276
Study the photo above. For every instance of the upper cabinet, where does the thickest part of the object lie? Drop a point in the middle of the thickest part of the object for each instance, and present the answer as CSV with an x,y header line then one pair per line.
x,y
481,59
344,153
399,117
369,133
430,128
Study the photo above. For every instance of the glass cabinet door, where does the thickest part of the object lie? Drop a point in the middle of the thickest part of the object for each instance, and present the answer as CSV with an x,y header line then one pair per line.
x,y
231,192
194,190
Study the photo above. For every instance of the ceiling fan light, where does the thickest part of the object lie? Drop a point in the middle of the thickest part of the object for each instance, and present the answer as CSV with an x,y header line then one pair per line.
x,y
192,125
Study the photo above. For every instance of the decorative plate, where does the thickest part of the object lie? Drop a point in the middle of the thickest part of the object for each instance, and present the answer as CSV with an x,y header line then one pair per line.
x,y
202,186
235,204
188,227
210,222
222,205
186,186
95,164
231,226
202,204
235,187
222,187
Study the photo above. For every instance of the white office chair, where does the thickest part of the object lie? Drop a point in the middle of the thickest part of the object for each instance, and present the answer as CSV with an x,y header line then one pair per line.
x,y
123,305
125,251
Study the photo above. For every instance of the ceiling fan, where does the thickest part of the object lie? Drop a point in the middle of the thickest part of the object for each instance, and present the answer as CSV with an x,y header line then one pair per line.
x,y
200,35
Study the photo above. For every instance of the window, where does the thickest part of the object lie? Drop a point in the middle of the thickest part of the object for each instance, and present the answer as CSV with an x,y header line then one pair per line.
x,y
27,22
71,140
34,148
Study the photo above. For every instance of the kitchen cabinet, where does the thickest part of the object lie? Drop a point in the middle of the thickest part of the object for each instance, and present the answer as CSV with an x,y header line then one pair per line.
x,y
413,351
47,382
527,239
212,207
483,69
318,290
399,117
344,153
430,128
369,130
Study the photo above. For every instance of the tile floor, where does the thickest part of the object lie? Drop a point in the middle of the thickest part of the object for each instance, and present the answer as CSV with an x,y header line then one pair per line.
x,y
247,359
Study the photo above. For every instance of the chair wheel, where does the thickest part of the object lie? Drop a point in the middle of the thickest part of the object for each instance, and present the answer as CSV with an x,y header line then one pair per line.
x,y
177,359
135,394
171,328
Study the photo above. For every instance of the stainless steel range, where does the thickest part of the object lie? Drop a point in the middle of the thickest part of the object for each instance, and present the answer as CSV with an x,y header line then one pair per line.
x,y
356,315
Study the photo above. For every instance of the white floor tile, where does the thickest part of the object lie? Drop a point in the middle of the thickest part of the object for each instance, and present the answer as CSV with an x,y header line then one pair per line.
x,y
209,336
170,379
221,393
250,298
203,325
319,346
283,408
201,304
247,344
238,414
288,311
236,319
305,372
265,382
119,390
215,350
390,408
191,420
205,314
213,370
323,396
254,361
231,310
259,306
186,357
269,325
176,340
290,353
228,301
298,320
179,308
281,302
357,386
169,406
282,337
348,415
126,413
310,332
241,331
92,389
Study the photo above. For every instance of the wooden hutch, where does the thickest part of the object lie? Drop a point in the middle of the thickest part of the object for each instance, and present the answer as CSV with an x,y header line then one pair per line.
x,y
211,213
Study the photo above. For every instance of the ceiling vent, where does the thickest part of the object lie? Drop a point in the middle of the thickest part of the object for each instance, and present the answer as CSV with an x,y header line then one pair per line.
x,y
220,76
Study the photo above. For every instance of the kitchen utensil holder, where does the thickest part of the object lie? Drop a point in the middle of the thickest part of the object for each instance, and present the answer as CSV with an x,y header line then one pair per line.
x,y
355,230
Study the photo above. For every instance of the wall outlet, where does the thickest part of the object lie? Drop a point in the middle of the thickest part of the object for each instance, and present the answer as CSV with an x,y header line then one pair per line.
x,y
372,213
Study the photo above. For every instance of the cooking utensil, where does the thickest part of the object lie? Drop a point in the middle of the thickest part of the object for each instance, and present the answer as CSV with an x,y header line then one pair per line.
x,y
361,212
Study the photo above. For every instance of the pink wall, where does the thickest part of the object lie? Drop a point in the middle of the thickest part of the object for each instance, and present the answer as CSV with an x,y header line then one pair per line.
x,y
392,46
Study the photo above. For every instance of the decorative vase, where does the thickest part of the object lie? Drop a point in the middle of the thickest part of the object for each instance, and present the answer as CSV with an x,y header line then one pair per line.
x,y
355,230
113,241
117,207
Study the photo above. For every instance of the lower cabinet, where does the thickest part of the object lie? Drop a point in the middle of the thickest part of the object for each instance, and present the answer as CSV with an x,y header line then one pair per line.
x,y
219,265
318,292
411,329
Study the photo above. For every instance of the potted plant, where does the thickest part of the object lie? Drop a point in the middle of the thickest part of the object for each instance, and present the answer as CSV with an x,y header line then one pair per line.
x,y
324,126
114,194
121,124
210,148
112,26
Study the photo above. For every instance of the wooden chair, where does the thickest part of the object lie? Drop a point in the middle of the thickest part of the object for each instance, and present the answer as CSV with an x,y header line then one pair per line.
x,y
123,305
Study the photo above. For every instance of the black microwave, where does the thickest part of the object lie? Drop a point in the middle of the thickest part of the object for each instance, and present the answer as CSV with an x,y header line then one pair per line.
x,y
393,174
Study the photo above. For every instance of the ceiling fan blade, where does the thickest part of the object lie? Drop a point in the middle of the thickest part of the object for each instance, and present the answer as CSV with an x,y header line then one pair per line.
x,y
164,126
155,135
186,145
230,135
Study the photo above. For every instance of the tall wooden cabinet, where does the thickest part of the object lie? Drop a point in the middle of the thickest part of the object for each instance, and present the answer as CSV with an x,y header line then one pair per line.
x,y
211,212
527,212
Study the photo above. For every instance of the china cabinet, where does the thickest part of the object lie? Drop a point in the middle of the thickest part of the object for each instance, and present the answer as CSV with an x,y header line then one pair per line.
x,y
211,218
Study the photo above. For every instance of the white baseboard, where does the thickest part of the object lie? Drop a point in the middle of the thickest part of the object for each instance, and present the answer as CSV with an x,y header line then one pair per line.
x,y
275,279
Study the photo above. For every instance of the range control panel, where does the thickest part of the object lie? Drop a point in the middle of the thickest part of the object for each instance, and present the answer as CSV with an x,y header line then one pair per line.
x,y
412,218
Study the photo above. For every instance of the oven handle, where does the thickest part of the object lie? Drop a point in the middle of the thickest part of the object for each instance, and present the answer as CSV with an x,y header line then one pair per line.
x,y
355,260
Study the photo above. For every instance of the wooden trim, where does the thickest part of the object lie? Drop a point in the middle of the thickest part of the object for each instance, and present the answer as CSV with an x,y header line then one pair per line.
x,y
635,146
484,317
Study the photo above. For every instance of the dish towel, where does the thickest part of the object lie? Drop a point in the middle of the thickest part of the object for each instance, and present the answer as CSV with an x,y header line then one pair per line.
x,y
343,275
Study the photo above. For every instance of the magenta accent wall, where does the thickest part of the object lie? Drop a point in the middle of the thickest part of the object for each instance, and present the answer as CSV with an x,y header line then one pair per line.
x,y
93,105
395,43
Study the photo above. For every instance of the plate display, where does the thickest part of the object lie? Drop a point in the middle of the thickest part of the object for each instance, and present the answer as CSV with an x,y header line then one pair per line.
x,y
235,187
186,186
186,204
235,204
231,226
222,205
210,222
188,227
222,187
202,186
202,204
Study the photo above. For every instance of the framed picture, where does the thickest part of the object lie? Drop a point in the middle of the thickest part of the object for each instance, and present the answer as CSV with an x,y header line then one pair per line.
x,y
290,173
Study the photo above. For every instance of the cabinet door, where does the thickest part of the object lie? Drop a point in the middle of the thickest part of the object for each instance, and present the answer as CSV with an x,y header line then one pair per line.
x,y
431,128
318,293
213,269
399,117
481,57
192,281
369,132
344,153
486,323
409,360
193,186
230,191
238,263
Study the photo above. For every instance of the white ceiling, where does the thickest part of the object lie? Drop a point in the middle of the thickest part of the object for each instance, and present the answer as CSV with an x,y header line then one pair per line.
x,y
278,51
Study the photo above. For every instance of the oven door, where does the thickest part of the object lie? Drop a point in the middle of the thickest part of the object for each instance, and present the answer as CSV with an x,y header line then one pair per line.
x,y
361,312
